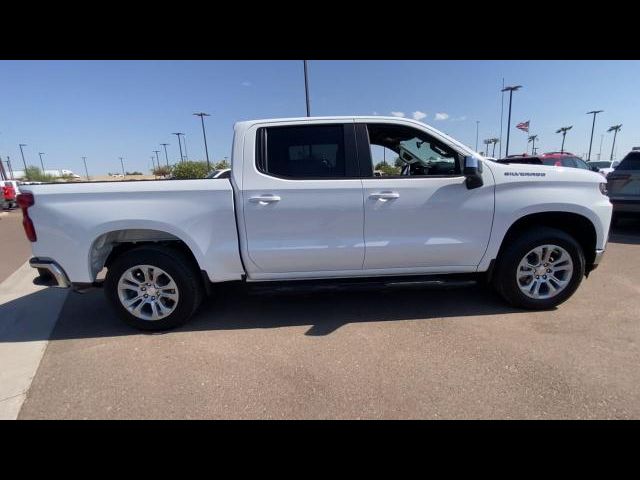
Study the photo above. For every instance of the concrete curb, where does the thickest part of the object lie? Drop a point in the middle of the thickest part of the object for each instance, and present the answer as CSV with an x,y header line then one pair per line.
x,y
28,314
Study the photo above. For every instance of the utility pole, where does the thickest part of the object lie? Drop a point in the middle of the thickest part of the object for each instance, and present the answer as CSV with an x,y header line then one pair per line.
x,y
10,168
41,162
166,157
477,130
122,165
204,134
593,126
184,140
179,144
84,159
510,90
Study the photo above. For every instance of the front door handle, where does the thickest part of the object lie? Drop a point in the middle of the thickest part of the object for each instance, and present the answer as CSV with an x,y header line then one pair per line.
x,y
385,195
264,199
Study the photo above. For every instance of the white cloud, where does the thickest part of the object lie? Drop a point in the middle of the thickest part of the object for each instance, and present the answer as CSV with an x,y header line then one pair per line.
x,y
459,119
442,116
246,83
418,115
398,114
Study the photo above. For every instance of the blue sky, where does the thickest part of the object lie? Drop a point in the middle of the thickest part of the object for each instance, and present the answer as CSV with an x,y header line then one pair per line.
x,y
109,109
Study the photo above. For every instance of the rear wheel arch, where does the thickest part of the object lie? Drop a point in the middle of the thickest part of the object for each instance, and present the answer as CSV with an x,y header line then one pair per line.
x,y
110,245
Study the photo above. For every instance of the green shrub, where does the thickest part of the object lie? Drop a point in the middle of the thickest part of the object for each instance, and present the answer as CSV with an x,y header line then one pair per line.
x,y
189,169
387,169
161,171
34,174
221,165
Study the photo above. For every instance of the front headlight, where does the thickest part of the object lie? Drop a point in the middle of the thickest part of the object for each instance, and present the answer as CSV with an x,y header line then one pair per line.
x,y
603,188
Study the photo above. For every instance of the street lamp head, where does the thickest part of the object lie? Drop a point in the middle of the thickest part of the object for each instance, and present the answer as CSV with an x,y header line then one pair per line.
x,y
595,112
22,145
202,114
614,128
512,88
564,129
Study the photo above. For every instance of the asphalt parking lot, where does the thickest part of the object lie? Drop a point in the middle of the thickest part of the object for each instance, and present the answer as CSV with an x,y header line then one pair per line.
x,y
403,354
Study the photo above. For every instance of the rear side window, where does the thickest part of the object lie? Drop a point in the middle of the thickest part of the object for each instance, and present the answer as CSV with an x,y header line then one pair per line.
x,y
299,152
630,162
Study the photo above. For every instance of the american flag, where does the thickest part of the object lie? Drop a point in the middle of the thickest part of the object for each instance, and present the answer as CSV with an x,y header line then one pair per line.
x,y
524,126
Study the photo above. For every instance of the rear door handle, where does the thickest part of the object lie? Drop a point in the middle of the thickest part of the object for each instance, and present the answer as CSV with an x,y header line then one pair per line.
x,y
264,199
384,195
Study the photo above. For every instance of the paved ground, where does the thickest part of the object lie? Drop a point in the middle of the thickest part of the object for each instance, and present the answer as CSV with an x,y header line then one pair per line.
x,y
411,354
15,249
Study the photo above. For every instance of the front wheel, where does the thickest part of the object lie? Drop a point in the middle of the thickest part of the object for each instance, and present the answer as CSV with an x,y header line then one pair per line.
x,y
153,287
540,269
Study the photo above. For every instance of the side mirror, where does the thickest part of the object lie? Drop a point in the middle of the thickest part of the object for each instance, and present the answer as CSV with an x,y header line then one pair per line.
x,y
473,172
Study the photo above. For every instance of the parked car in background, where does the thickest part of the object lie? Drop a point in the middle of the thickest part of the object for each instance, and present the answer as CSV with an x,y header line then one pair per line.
x,y
603,167
554,159
9,195
623,186
224,173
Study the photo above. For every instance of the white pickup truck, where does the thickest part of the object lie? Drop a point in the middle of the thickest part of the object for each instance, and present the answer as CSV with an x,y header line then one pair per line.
x,y
303,204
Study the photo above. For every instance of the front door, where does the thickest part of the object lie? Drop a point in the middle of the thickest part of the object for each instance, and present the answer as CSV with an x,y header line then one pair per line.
x,y
419,213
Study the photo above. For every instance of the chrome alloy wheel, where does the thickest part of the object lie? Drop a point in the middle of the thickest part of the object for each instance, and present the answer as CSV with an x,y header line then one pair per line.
x,y
544,272
148,292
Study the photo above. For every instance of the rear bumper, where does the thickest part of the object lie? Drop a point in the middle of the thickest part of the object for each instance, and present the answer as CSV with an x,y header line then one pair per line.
x,y
56,275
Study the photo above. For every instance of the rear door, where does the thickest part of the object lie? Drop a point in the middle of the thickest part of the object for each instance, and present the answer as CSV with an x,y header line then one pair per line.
x,y
420,216
302,200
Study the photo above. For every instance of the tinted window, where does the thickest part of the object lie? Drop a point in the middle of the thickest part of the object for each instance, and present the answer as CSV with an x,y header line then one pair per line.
x,y
405,151
630,162
314,151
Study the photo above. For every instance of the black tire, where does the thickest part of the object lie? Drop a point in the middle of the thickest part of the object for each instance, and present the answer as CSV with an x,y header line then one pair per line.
x,y
180,267
505,281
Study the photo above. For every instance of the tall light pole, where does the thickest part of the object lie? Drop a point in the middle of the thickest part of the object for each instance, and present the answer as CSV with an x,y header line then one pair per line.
x,y
563,131
593,125
186,153
615,129
41,162
84,159
166,157
204,134
600,152
532,141
122,165
477,131
306,88
157,157
510,90
23,162
179,144
10,168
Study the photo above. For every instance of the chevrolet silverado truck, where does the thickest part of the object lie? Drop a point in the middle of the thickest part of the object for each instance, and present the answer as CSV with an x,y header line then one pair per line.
x,y
302,206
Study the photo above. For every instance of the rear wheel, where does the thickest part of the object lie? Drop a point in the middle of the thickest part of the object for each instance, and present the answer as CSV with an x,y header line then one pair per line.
x,y
154,287
540,269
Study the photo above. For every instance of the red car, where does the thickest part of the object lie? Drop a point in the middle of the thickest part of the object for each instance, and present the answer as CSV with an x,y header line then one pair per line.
x,y
9,195
563,159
